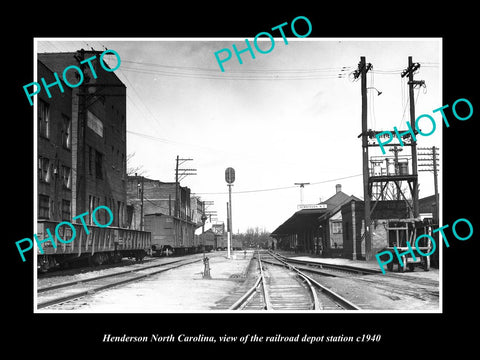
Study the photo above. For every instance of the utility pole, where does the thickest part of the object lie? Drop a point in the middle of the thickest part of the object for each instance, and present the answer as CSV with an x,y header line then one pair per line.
x,y
432,165
140,188
203,218
412,67
361,72
414,143
179,176
301,185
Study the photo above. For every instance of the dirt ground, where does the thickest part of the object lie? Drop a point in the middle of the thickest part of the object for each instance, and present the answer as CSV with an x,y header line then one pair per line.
x,y
417,291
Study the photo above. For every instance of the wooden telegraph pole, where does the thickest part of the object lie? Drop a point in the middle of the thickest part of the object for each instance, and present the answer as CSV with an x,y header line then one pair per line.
x,y
411,68
362,70
431,164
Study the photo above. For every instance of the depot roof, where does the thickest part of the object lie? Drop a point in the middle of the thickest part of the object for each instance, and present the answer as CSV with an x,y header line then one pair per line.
x,y
308,218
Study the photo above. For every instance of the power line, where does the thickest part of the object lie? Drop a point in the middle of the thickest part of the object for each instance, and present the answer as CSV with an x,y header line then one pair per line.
x,y
167,141
215,71
223,76
247,74
278,188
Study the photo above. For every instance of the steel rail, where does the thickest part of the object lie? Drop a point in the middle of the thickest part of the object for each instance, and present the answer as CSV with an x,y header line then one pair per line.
x,y
240,303
266,296
347,305
347,268
316,303
74,282
107,286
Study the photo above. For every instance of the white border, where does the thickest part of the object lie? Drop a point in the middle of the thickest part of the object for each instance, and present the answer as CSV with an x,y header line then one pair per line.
x,y
339,312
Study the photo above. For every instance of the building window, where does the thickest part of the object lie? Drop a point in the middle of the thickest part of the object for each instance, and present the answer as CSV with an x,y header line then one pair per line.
x,y
43,207
91,206
124,167
66,210
336,227
98,165
44,172
43,119
93,203
66,177
90,160
66,132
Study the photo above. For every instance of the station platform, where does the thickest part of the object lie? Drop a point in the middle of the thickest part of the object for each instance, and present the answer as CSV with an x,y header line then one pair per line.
x,y
180,290
433,273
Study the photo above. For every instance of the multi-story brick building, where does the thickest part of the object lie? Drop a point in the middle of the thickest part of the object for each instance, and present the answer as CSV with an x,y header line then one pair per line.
x,y
81,142
54,148
81,148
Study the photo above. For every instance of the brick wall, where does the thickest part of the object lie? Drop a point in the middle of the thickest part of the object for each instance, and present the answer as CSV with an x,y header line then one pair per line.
x,y
97,159
54,157
353,225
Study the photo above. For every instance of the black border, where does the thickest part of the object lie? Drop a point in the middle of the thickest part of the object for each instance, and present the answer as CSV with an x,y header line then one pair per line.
x,y
408,333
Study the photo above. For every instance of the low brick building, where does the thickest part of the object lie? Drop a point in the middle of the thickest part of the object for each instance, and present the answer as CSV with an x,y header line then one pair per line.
x,y
172,223
353,225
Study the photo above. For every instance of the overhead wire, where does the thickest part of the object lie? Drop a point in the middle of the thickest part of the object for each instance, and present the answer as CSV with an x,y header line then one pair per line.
x,y
277,188
246,74
194,68
233,76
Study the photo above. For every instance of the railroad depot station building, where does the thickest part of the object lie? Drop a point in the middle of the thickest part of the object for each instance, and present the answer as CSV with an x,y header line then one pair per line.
x,y
335,227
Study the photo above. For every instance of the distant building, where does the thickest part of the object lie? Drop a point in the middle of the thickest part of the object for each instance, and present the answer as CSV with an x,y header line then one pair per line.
x,y
209,240
172,223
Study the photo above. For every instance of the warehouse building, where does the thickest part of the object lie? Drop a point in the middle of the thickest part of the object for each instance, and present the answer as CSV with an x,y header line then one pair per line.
x,y
81,142
81,147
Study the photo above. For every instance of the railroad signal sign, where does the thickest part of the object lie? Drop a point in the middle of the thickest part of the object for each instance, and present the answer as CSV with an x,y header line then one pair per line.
x,y
229,175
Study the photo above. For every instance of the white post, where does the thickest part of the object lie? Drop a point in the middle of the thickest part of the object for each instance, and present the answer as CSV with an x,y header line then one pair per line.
x,y
229,235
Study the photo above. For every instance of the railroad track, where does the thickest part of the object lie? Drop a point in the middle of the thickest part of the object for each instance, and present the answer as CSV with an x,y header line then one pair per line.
x,y
336,270
67,291
282,286
307,265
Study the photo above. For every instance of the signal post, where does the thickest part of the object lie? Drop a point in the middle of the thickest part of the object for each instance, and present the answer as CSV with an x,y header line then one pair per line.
x,y
229,178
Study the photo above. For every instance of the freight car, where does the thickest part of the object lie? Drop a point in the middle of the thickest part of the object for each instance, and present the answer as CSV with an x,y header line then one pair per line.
x,y
100,245
208,240
221,243
171,235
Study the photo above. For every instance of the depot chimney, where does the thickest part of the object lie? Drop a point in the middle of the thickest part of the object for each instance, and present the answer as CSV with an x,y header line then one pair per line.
x,y
338,187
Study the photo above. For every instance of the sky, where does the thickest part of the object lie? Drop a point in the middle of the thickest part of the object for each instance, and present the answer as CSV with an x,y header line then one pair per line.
x,y
291,115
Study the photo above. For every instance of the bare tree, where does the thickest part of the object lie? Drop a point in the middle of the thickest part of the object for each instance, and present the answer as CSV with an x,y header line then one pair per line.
x,y
254,237
134,169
